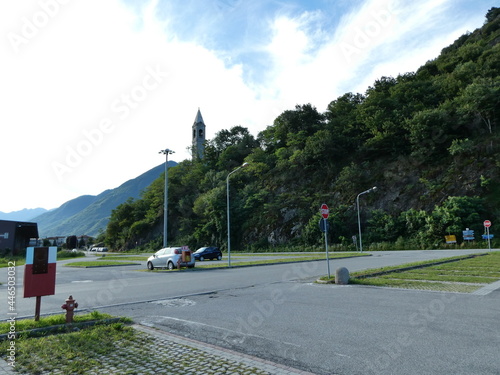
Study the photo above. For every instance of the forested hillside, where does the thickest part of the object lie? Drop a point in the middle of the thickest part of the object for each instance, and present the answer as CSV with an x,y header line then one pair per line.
x,y
428,140
89,214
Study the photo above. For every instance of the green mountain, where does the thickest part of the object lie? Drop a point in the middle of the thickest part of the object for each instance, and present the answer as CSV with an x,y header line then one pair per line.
x,y
428,140
89,214
25,214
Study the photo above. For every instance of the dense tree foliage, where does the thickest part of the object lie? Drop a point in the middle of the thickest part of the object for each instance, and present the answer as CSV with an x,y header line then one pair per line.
x,y
428,140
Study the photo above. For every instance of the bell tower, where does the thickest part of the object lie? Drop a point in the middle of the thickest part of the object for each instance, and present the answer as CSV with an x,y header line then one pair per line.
x,y
198,147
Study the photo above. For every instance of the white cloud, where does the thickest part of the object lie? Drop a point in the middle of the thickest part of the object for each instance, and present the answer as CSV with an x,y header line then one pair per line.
x,y
68,67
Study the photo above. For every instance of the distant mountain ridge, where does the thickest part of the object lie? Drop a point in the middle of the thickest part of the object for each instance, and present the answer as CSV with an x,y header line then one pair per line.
x,y
25,214
89,214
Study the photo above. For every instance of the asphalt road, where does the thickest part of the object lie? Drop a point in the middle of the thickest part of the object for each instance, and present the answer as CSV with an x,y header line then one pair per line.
x,y
278,313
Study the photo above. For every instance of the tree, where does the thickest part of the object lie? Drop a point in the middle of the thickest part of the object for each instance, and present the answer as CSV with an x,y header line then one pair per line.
x,y
482,98
229,148
294,126
71,242
458,213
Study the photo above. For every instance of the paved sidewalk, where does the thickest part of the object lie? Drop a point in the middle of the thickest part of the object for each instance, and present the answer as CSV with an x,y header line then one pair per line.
x,y
222,361
190,357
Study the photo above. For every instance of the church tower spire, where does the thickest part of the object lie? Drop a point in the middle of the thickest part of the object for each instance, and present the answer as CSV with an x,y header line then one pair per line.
x,y
198,136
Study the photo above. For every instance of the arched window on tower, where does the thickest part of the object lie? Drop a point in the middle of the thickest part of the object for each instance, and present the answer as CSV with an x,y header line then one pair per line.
x,y
194,133
200,132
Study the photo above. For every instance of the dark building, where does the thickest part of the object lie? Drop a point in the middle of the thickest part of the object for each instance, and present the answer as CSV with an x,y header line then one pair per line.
x,y
15,236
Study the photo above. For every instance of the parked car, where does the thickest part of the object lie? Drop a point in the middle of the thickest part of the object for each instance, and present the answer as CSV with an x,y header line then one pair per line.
x,y
99,249
171,257
211,252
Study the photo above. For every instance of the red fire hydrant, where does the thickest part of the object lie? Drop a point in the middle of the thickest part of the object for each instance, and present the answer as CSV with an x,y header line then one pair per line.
x,y
70,306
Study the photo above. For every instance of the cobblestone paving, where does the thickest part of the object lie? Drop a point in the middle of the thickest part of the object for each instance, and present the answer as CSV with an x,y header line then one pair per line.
x,y
170,354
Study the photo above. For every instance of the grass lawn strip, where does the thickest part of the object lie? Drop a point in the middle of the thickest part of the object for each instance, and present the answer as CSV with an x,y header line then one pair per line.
x,y
97,263
124,257
53,320
466,275
304,258
419,285
206,264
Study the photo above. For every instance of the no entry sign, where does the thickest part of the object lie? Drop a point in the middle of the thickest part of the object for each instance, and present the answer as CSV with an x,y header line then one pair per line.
x,y
325,212
487,223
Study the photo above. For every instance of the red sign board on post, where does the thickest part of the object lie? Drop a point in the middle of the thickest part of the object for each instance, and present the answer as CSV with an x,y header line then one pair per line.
x,y
325,212
487,223
40,271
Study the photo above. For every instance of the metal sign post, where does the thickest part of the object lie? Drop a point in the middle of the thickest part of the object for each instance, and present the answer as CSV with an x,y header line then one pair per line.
x,y
487,225
325,212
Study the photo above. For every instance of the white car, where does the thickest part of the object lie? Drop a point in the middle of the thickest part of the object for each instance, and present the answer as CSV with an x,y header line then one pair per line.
x,y
99,249
171,257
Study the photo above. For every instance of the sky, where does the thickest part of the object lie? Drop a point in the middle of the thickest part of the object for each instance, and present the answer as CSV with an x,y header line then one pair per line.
x,y
91,91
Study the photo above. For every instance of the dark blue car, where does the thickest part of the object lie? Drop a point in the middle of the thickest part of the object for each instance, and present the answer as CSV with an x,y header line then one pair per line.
x,y
207,253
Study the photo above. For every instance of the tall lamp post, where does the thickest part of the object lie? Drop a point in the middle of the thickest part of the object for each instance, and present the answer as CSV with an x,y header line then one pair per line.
x,y
359,221
228,218
166,152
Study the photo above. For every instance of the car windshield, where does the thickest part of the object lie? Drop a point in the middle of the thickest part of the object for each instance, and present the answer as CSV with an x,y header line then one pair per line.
x,y
200,250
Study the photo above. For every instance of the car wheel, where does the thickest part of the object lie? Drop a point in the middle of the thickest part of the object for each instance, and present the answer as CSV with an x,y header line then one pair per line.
x,y
202,259
170,266
150,266
219,257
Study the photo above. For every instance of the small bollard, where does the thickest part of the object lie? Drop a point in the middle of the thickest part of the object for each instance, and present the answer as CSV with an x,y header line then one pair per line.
x,y
342,276
70,306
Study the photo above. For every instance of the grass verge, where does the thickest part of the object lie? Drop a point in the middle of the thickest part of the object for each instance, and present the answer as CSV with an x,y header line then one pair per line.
x,y
124,257
71,353
288,259
457,274
21,260
53,320
98,263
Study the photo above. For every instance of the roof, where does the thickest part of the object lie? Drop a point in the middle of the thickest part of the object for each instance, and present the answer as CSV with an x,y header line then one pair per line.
x,y
198,118
26,229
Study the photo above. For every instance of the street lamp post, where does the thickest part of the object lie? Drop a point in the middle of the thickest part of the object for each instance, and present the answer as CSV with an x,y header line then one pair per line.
x,y
359,221
166,152
228,217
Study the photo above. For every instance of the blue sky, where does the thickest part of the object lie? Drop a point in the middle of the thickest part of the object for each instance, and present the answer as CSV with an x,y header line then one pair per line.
x,y
92,90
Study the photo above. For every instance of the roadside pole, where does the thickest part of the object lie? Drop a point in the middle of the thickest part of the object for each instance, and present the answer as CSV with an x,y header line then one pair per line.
x,y
487,225
326,246
325,212
489,240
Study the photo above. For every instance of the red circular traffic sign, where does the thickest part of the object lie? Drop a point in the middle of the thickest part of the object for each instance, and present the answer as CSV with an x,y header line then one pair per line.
x,y
324,211
487,223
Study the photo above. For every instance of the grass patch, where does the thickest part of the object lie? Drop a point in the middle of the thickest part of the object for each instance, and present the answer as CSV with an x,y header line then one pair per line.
x,y
53,320
98,263
21,260
125,257
290,258
71,353
464,275
419,285
6,261
66,254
